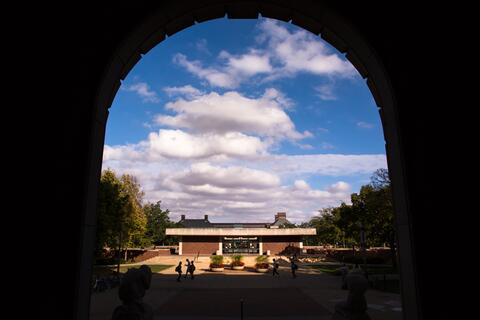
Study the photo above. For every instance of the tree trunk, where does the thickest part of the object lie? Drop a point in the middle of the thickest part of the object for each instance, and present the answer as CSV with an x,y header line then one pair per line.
x,y
119,252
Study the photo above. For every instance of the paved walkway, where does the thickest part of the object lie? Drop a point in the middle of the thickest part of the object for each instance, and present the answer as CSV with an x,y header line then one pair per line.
x,y
312,295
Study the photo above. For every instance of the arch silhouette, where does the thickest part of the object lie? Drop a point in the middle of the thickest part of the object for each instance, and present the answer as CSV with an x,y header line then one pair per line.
x,y
317,17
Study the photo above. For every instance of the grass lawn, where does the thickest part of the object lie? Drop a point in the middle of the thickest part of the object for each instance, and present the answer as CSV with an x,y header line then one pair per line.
x,y
332,269
325,268
108,270
389,285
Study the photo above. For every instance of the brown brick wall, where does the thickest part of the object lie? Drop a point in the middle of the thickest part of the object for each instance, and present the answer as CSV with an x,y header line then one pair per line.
x,y
151,254
277,245
204,245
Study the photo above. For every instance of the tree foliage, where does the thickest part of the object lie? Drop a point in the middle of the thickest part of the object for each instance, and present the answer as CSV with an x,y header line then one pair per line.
x,y
371,209
157,221
122,219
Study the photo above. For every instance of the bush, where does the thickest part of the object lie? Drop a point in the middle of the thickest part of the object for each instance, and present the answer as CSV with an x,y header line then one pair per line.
x,y
289,250
216,260
237,260
261,259
372,256
262,262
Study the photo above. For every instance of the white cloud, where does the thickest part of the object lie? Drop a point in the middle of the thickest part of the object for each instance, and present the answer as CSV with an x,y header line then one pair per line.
x,y
213,76
301,185
202,46
143,90
232,112
325,92
334,165
279,53
226,177
300,52
187,91
182,145
248,64
364,125
339,187
252,189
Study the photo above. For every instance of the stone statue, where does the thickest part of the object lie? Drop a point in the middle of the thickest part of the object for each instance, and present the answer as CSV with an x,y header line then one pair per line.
x,y
132,290
355,308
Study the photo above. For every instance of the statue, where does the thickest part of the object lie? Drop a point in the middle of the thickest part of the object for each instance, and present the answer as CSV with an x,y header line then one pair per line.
x,y
355,308
132,290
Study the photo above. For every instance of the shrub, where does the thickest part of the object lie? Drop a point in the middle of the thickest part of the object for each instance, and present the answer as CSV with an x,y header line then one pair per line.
x,y
372,256
237,260
262,262
216,262
261,259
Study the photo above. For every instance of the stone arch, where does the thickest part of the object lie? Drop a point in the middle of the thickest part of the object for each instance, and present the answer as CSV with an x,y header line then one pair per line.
x,y
316,17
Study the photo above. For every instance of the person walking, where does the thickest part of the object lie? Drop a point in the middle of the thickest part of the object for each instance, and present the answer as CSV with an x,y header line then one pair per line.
x,y
188,269
275,268
294,267
178,269
191,269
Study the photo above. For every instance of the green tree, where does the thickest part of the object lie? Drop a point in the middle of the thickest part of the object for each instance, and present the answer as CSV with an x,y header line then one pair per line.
x,y
347,217
157,221
373,208
134,221
110,205
120,218
327,230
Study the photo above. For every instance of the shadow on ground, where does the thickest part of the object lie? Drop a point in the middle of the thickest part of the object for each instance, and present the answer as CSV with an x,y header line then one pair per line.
x,y
210,295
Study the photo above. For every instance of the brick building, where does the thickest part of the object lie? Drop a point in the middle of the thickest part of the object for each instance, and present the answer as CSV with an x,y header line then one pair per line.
x,y
200,236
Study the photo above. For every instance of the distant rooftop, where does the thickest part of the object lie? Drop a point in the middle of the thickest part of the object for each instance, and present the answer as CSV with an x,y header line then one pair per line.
x,y
280,219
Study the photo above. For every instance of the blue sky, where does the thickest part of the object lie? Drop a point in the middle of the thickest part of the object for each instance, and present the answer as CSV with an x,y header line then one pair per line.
x,y
240,119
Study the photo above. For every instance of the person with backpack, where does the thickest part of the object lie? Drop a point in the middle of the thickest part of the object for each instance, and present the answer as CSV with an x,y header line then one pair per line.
x,y
294,267
178,269
275,268
191,269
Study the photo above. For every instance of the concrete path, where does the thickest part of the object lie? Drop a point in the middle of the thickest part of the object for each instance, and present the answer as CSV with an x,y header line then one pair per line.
x,y
312,295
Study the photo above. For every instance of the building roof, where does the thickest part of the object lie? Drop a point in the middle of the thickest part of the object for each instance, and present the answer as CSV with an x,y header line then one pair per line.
x,y
280,219
203,227
196,223
240,231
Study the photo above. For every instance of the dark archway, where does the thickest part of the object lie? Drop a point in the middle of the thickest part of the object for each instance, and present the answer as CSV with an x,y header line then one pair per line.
x,y
171,17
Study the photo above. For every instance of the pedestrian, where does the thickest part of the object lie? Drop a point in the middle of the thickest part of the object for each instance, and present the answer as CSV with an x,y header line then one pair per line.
x,y
294,267
188,269
275,268
191,269
178,269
